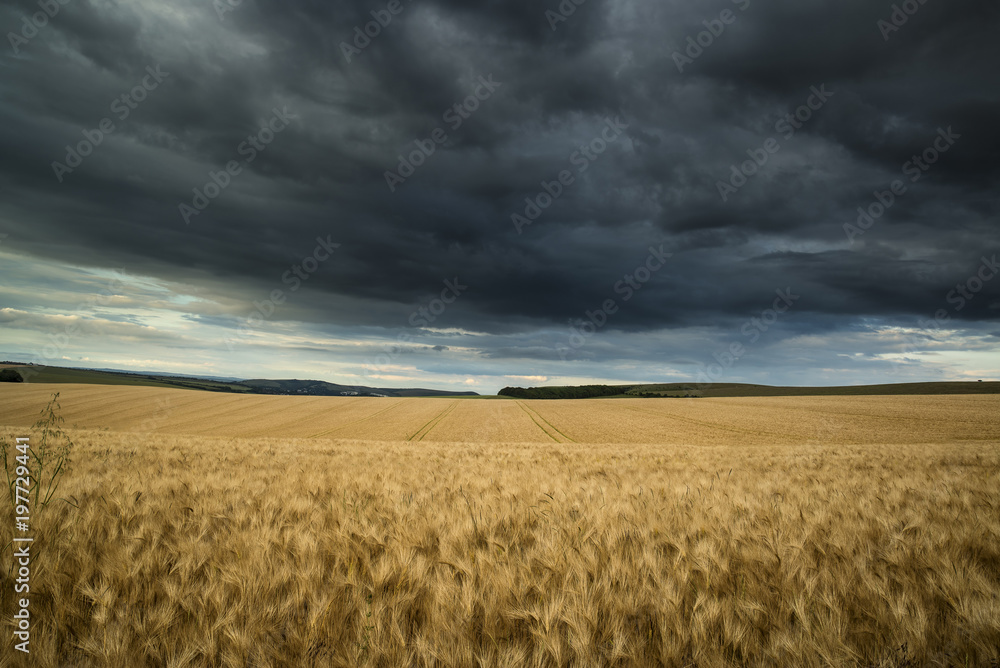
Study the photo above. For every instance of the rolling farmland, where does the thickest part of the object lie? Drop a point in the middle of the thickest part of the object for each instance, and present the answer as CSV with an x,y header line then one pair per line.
x,y
227,530
710,421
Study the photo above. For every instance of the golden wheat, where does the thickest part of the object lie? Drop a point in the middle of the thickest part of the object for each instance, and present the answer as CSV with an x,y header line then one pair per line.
x,y
206,551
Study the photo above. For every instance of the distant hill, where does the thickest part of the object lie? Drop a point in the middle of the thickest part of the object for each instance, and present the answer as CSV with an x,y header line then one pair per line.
x,y
53,374
693,390
322,388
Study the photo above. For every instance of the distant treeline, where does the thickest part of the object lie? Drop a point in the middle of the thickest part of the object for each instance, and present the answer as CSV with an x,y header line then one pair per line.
x,y
579,392
10,376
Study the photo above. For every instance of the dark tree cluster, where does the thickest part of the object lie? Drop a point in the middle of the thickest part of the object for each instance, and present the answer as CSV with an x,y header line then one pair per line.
x,y
10,376
581,392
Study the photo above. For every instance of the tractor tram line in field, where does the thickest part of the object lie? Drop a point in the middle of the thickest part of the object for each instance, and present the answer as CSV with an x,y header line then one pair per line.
x,y
433,422
533,414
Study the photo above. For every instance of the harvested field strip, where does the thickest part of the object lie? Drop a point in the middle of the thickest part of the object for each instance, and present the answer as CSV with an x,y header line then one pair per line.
x,y
426,429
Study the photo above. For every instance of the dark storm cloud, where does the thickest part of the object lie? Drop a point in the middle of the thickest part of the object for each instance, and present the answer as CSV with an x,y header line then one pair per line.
x,y
657,184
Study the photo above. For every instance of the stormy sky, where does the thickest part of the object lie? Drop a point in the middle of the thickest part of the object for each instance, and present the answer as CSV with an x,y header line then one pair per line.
x,y
468,195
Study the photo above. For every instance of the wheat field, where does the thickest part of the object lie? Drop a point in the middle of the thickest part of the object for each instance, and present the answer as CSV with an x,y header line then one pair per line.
x,y
901,420
216,530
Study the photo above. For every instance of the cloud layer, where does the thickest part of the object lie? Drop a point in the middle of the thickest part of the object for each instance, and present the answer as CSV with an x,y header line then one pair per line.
x,y
538,157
